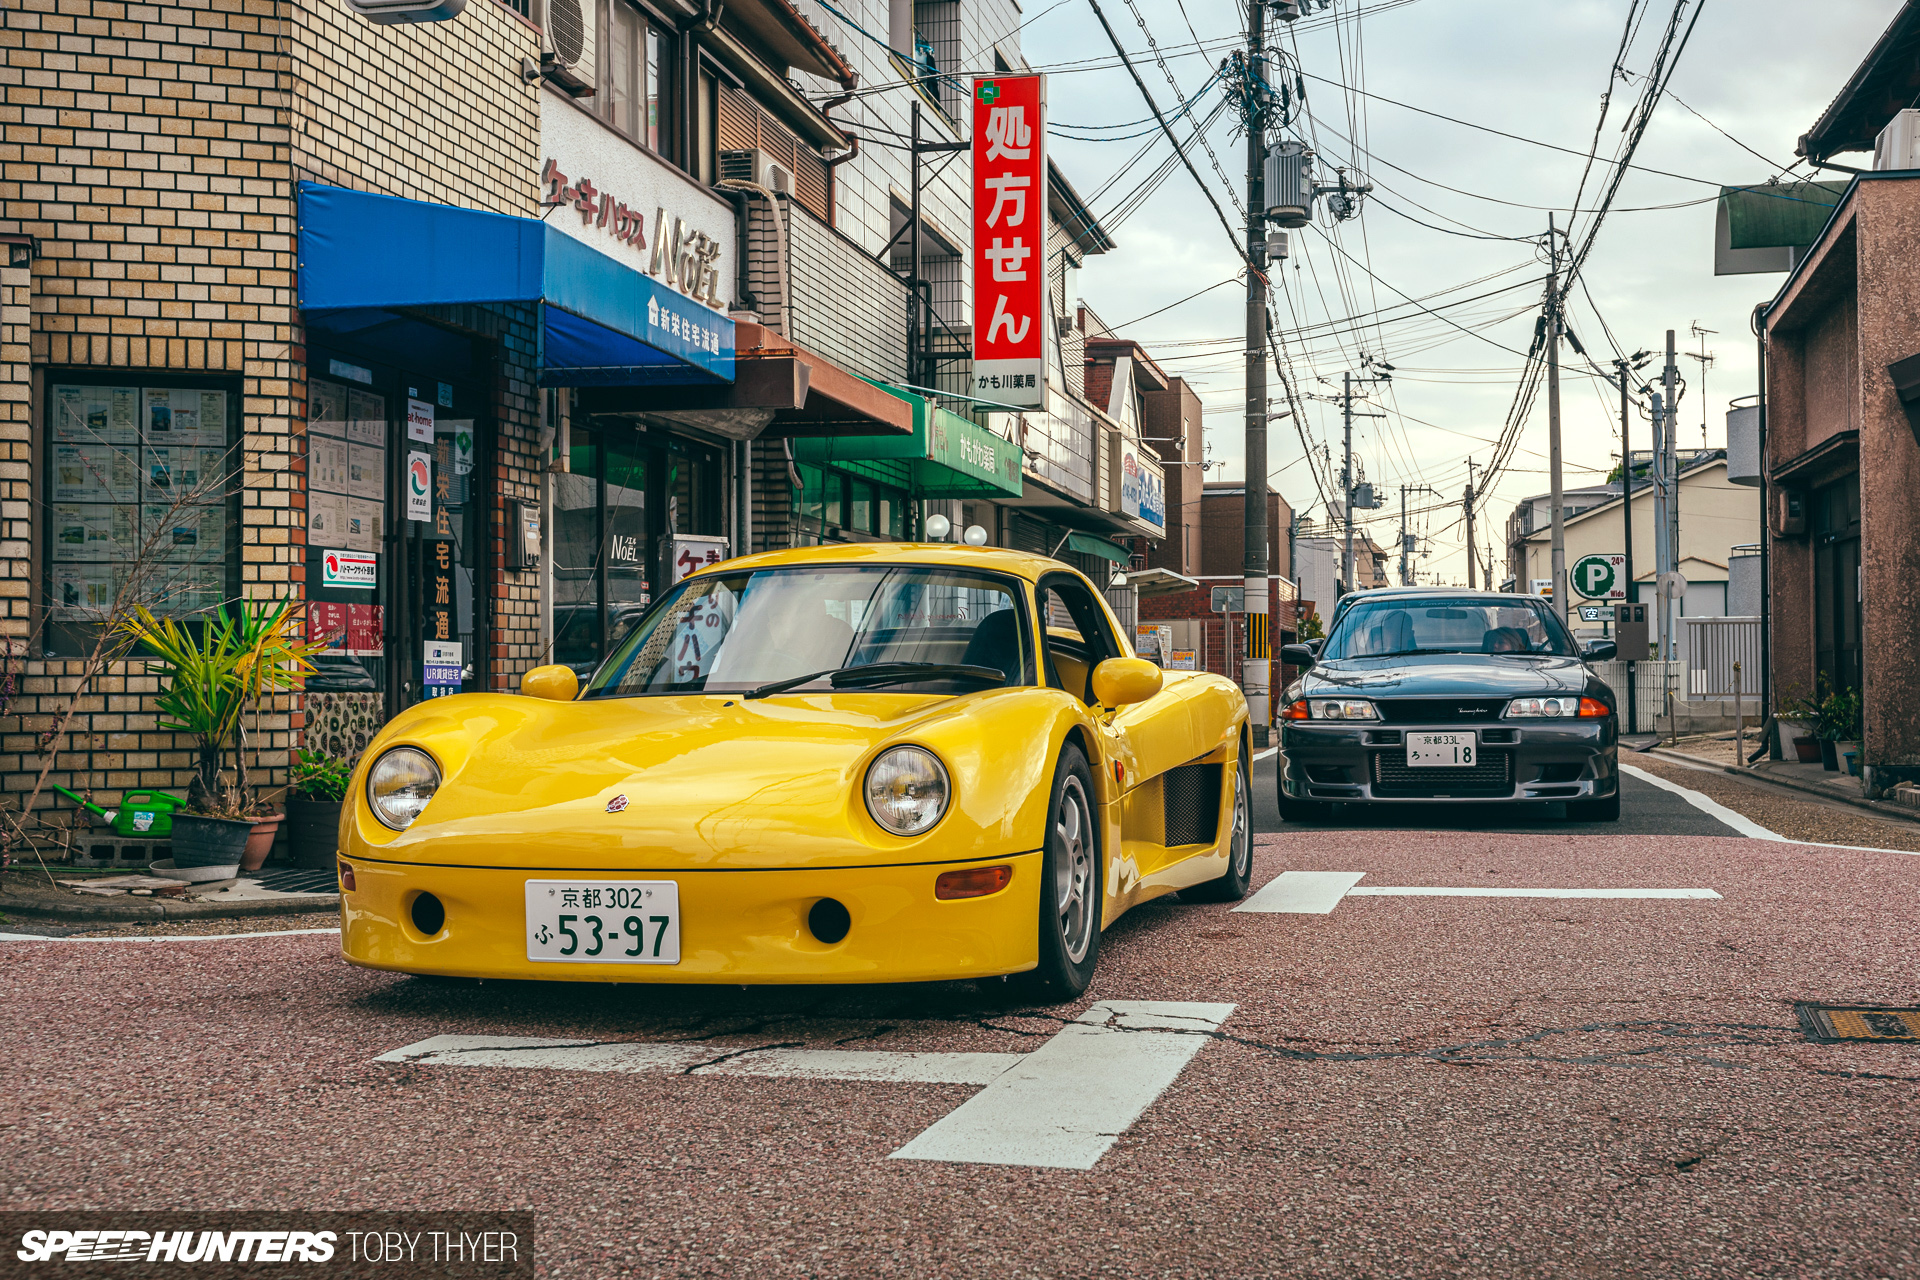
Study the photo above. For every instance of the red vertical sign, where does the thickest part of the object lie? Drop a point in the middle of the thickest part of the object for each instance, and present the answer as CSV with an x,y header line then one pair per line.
x,y
1010,239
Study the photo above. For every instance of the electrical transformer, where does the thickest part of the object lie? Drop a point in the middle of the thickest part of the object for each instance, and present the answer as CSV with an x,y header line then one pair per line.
x,y
1289,185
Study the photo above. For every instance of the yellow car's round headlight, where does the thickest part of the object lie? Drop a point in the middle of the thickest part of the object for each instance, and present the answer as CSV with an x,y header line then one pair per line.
x,y
907,790
400,784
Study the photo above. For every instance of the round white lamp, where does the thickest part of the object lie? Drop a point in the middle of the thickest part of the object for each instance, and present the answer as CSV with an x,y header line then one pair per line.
x,y
938,527
976,535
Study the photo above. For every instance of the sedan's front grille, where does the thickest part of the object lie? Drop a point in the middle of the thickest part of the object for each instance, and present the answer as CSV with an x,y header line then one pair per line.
x,y
1491,775
1440,710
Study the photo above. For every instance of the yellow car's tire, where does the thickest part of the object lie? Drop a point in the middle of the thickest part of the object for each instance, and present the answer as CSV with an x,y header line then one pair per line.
x,y
1070,889
1238,878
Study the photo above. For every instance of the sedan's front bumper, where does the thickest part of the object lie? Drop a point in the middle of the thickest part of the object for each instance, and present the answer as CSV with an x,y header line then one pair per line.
x,y
1518,760
735,926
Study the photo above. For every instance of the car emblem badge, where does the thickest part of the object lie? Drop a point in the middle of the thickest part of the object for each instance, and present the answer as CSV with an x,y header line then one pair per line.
x,y
616,804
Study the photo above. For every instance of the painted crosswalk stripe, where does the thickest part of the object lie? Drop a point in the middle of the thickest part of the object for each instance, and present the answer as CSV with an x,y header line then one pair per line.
x,y
1310,893
1063,1105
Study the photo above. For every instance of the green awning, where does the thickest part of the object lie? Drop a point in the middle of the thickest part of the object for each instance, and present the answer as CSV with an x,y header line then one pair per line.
x,y
947,456
1790,213
1088,545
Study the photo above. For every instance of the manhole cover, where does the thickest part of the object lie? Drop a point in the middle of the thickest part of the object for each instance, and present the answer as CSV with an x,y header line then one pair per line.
x,y
298,880
1826,1023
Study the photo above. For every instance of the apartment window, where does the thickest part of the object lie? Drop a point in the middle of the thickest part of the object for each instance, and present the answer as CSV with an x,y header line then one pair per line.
x,y
637,55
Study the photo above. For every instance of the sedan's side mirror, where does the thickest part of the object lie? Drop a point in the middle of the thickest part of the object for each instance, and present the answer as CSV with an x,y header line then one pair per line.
x,y
555,682
1297,655
1598,650
1119,682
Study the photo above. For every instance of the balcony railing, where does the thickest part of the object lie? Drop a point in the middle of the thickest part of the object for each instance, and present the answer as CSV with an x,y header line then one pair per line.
x,y
834,298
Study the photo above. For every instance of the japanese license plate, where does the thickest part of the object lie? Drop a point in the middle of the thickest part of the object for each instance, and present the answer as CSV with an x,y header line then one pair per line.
x,y
603,921
1440,750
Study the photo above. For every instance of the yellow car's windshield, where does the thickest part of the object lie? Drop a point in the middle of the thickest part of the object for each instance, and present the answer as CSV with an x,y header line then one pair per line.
x,y
931,628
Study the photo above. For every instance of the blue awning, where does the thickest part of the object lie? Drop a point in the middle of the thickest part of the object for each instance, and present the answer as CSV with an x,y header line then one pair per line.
x,y
603,322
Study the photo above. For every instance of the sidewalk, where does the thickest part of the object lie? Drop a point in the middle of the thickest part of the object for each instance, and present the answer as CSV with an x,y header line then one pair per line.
x,y
25,891
1717,751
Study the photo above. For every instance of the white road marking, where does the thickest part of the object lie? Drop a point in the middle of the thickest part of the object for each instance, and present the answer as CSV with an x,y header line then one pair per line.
x,y
1432,891
1744,825
1307,893
168,937
677,1058
1066,1103
1258,756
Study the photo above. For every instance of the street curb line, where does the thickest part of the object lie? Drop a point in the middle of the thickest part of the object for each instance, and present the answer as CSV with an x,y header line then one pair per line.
x,y
1869,806
1743,824
50,908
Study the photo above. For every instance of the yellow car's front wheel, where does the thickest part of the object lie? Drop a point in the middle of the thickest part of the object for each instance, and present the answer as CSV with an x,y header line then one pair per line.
x,y
1070,901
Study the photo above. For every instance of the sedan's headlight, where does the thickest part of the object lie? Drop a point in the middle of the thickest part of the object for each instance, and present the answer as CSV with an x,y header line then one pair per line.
x,y
400,784
907,790
1555,708
1341,709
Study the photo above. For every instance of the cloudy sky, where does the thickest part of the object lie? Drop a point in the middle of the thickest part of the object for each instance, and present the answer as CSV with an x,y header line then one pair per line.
x,y
1759,70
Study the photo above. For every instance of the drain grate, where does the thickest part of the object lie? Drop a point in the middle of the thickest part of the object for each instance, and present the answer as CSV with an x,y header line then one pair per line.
x,y
1826,1023
298,880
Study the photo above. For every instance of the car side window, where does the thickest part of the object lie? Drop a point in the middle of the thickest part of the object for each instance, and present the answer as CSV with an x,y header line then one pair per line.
x,y
1077,638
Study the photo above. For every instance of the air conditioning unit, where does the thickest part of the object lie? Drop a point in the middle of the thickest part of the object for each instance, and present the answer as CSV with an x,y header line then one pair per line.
x,y
568,64
754,165
1898,146
1289,184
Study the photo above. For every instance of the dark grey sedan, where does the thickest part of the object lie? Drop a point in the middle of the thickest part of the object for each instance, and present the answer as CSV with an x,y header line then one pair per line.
x,y
1449,697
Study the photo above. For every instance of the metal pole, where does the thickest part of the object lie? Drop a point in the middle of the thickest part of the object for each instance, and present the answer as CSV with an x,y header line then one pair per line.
x,y
1472,555
1346,471
1670,377
1556,498
1403,537
1258,668
913,256
1766,578
1623,368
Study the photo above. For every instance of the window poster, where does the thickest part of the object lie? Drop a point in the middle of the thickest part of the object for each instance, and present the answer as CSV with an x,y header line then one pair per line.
x,y
96,415
179,417
85,589
327,464
362,525
185,535
176,470
94,473
327,519
326,408
366,417
366,472
92,531
193,588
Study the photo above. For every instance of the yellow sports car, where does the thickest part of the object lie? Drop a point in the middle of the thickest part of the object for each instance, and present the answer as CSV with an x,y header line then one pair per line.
x,y
872,763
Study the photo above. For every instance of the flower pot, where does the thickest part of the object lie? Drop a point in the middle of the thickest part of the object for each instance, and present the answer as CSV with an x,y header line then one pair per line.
x,y
1806,750
260,842
200,841
313,832
1851,756
192,875
1829,756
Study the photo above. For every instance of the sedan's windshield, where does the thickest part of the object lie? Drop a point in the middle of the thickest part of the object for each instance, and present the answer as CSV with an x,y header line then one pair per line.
x,y
1384,628
735,633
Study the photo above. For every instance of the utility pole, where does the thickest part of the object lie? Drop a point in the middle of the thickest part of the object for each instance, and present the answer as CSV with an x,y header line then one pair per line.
x,y
1346,475
1406,540
1705,358
1555,500
1466,504
1624,368
1256,669
1670,380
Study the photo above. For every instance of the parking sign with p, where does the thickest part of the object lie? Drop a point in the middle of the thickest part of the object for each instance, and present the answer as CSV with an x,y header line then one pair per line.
x,y
1600,577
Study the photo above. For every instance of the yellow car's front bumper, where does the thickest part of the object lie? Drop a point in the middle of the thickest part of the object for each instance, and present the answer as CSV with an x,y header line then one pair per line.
x,y
735,926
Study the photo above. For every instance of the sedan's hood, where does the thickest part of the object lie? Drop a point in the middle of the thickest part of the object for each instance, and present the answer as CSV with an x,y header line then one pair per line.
x,y
1447,675
682,781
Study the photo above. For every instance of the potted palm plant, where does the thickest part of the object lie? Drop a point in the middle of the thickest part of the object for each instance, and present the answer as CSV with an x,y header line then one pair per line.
x,y
210,676
317,791
1839,727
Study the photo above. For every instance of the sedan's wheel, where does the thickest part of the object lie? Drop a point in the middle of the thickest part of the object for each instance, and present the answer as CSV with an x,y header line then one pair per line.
x,y
1070,889
1233,885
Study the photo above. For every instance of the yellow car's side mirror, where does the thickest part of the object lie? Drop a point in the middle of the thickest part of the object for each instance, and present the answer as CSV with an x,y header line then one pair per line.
x,y
555,682
1118,682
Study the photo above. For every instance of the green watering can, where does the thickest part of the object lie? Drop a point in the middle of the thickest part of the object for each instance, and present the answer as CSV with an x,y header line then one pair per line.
x,y
141,813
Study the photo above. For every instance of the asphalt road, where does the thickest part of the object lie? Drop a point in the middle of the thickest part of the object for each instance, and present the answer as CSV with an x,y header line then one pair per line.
x,y
1645,810
1401,1085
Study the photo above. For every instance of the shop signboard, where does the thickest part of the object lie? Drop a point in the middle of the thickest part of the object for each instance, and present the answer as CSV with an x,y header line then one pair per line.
x,y
1143,487
1010,239
436,584
350,629
441,669
352,570
419,485
420,421
1180,660
690,553
1153,641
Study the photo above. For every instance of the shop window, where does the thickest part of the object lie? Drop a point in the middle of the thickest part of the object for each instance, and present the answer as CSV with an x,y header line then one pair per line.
x,y
833,505
638,54
141,478
576,554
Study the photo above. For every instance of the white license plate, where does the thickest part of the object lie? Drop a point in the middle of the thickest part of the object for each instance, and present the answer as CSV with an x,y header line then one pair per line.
x,y
1440,750
603,921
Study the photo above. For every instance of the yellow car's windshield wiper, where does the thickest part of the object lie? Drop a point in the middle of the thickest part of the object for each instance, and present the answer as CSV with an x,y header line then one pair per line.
x,y
879,673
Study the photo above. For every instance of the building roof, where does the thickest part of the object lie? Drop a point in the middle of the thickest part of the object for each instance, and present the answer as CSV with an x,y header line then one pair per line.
x,y
783,32
1112,348
1887,82
1719,459
1076,219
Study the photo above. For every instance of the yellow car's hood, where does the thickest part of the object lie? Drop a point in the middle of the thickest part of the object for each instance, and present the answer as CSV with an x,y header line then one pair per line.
x,y
703,781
